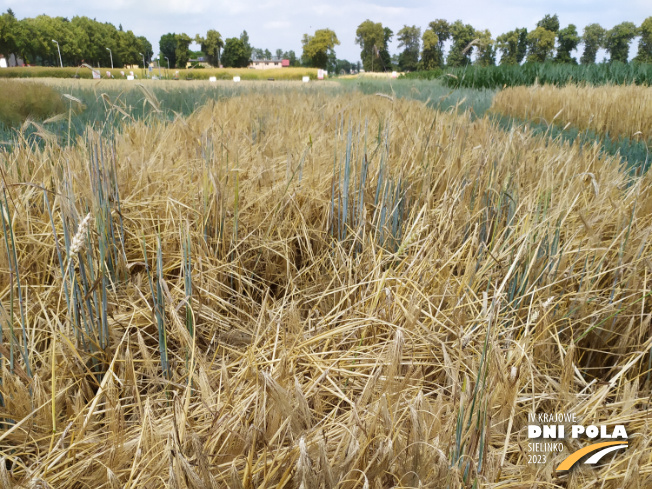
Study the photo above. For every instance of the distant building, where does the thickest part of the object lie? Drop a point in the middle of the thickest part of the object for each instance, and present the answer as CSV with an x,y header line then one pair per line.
x,y
201,61
266,64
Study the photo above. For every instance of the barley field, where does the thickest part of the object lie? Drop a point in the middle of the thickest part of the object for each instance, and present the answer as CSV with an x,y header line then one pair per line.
x,y
317,289
86,72
612,110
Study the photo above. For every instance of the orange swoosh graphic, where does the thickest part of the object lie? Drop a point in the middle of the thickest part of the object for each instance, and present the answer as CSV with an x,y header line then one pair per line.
x,y
575,456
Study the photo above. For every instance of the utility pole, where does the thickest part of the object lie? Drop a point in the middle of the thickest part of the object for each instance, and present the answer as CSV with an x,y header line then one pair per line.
x,y
144,67
58,49
110,54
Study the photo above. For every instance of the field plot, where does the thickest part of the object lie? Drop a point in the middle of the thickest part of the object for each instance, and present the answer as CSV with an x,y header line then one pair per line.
x,y
318,290
614,111
61,110
182,74
19,101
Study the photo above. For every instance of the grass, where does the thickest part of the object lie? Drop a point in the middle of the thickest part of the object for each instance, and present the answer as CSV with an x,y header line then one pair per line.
x,y
491,77
309,287
181,74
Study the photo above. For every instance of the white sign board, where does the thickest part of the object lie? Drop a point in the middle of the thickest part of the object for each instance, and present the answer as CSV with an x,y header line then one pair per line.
x,y
130,77
320,74
212,79
306,79
394,74
96,75
3,63
236,79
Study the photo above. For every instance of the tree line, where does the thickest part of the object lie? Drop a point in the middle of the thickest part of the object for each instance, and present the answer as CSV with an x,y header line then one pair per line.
x,y
234,52
425,51
547,42
80,39
83,39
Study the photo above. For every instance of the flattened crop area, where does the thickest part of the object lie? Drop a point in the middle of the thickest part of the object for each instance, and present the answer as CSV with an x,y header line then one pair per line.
x,y
301,289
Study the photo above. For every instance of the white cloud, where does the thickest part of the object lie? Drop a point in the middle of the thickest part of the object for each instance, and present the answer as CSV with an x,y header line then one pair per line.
x,y
277,24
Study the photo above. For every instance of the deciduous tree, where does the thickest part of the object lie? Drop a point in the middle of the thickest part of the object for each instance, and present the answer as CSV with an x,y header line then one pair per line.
x,y
146,48
549,23
430,56
434,36
8,33
319,47
512,46
486,49
409,39
644,54
541,44
373,39
129,49
567,40
182,50
617,40
211,46
593,39
235,54
168,47
463,36
244,38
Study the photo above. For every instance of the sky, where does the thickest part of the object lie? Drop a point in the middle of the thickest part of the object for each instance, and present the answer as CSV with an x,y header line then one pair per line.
x,y
276,24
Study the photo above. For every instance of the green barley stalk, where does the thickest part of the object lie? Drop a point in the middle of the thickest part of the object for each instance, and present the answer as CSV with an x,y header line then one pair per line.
x,y
7,228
